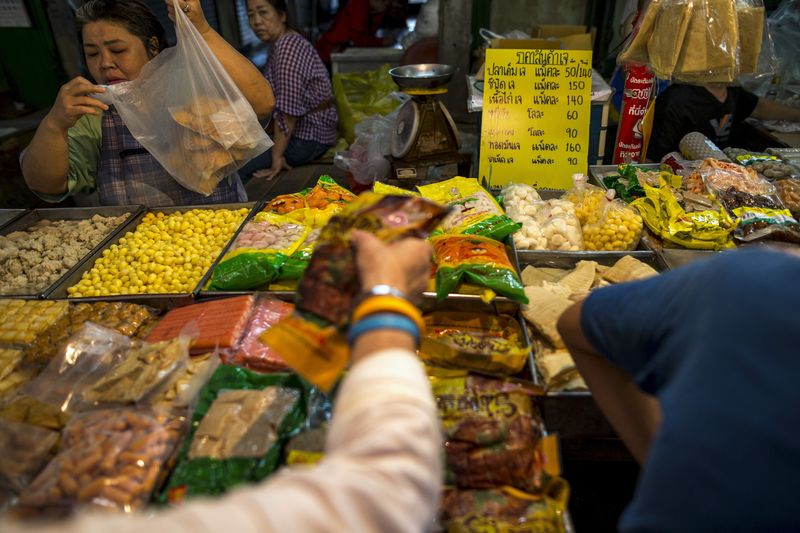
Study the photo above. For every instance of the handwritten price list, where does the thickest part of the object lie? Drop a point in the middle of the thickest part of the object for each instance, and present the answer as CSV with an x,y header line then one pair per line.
x,y
536,108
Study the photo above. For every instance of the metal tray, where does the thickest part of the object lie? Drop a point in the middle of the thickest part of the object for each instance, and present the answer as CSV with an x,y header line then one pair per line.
x,y
70,213
10,215
60,291
677,257
596,172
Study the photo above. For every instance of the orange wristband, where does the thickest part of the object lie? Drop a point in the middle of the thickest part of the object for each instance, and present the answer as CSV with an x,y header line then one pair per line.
x,y
388,304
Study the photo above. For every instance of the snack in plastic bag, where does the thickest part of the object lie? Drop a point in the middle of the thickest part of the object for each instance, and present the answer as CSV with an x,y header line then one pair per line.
x,y
480,260
309,340
384,188
516,196
199,127
25,451
711,44
51,398
252,353
492,432
11,376
183,386
110,458
636,52
700,230
502,510
286,203
607,224
474,210
258,253
473,341
546,225
219,323
265,409
144,368
789,193
327,192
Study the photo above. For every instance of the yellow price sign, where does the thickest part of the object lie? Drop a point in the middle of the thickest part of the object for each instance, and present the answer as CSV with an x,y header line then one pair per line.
x,y
536,108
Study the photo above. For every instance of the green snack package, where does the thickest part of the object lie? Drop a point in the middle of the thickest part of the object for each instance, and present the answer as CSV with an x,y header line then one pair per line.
x,y
239,427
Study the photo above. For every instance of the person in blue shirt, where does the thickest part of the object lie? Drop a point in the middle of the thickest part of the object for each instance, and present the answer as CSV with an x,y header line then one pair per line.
x,y
697,370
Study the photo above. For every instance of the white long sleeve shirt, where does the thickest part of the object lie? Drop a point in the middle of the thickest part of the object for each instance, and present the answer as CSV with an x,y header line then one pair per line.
x,y
381,472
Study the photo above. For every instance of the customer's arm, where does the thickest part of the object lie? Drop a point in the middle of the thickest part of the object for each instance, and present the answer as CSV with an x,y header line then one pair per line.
x,y
770,110
282,138
244,74
633,414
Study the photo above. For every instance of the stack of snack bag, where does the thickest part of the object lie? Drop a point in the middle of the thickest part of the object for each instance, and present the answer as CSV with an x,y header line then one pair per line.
x,y
277,243
698,41
310,340
500,470
467,245
607,223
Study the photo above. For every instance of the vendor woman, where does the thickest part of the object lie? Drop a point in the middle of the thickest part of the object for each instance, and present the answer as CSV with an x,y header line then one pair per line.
x,y
305,117
82,146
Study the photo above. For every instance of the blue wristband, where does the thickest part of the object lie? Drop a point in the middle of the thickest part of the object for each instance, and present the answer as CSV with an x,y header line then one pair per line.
x,y
383,321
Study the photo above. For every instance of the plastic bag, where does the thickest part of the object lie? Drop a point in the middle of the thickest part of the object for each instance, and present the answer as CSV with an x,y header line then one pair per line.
x,y
258,253
504,510
219,323
549,225
51,398
109,458
789,193
366,158
480,260
492,431
253,354
383,188
608,224
26,450
199,126
361,94
473,341
309,340
183,386
210,463
474,210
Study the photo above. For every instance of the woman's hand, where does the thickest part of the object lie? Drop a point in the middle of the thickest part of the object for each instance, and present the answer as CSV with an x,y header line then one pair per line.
x,y
404,265
279,164
193,10
73,102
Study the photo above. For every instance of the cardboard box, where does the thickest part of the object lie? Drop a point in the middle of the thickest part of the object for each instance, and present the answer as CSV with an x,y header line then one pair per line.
x,y
570,37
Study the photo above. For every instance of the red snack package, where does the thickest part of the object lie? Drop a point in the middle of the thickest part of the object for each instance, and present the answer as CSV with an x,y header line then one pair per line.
x,y
252,353
219,323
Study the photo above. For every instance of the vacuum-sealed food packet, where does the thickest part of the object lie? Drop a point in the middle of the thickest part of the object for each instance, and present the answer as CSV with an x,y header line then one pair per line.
x,y
110,458
310,340
252,353
239,426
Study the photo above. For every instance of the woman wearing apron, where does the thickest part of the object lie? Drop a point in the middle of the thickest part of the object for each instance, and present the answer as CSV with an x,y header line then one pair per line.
x,y
82,146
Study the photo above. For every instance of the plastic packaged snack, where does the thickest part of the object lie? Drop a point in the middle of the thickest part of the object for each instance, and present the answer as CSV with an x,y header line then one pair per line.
x,y
502,510
182,387
286,203
480,260
111,458
258,253
326,193
200,128
474,341
546,225
11,376
252,353
143,369
219,324
608,224
309,340
51,398
789,193
516,196
474,210
25,450
384,188
217,456
492,432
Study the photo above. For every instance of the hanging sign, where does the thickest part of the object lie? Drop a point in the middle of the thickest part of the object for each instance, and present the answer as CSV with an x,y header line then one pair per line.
x,y
536,108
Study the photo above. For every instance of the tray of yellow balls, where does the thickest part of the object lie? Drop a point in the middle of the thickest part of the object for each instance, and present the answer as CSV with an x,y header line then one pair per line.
x,y
169,254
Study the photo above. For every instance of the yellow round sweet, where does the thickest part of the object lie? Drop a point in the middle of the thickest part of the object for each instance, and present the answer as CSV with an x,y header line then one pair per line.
x,y
166,253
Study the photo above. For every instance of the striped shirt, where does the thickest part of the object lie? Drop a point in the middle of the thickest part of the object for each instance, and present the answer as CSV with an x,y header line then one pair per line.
x,y
301,85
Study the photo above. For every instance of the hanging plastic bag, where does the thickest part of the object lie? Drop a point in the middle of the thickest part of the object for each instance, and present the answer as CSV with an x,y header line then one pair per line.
x,y
366,158
188,113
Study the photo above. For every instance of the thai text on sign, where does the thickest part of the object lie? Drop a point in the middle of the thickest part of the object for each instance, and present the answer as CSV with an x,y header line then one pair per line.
x,y
536,108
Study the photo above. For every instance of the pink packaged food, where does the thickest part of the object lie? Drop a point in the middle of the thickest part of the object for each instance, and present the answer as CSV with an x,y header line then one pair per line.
x,y
252,353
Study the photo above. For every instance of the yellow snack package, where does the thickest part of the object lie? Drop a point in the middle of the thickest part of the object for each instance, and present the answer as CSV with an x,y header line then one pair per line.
x,y
474,341
474,210
384,188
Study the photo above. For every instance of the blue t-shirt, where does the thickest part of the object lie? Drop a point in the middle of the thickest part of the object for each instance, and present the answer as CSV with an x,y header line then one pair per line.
x,y
718,342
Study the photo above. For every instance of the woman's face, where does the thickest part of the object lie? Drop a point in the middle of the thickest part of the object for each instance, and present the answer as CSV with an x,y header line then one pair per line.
x,y
266,22
113,54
